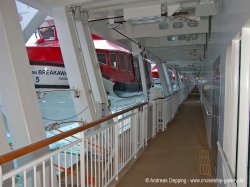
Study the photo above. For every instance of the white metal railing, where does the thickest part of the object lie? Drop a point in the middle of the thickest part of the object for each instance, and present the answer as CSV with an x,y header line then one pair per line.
x,y
96,157
166,108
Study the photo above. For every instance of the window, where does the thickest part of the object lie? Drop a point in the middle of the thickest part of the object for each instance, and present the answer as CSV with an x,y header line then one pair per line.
x,y
47,33
122,61
113,60
129,63
102,58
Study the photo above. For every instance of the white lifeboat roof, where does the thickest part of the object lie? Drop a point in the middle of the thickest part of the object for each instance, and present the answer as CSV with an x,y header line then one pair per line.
x,y
106,45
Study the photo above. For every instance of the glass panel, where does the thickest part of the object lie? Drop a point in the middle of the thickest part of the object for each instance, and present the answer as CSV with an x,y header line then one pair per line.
x,y
102,58
122,61
113,60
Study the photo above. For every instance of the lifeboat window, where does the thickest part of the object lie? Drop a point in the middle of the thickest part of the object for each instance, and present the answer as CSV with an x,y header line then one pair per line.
x,y
122,61
102,58
47,33
129,63
113,60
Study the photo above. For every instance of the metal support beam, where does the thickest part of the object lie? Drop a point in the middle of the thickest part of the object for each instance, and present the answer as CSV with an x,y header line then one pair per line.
x,y
137,51
75,64
92,64
163,78
165,69
32,26
18,91
17,87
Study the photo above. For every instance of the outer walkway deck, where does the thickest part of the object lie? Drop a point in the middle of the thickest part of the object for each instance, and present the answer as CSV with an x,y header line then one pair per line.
x,y
176,153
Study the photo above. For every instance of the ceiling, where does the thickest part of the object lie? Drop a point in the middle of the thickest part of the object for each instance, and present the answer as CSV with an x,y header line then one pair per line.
x,y
175,31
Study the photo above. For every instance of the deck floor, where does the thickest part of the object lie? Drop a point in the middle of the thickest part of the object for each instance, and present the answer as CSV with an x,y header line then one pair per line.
x,y
178,153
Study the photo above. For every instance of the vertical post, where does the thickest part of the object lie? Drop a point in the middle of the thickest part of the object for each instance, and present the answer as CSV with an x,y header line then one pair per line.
x,y
145,110
134,132
169,85
91,61
116,151
1,177
141,127
143,77
163,77
82,159
137,51
154,118
17,88
74,62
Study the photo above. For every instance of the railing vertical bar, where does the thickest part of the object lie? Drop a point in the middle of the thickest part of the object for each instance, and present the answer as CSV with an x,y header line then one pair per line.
x,y
126,135
103,151
51,172
96,146
44,183
71,168
111,150
99,158
59,168
116,150
24,179
91,161
1,177
130,136
126,139
122,131
13,182
34,172
43,165
87,161
108,152
146,125
65,168
77,166
123,142
105,148
120,145
82,161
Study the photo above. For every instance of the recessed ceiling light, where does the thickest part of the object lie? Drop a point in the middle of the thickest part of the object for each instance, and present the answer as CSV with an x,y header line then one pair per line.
x,y
182,37
163,26
178,25
171,38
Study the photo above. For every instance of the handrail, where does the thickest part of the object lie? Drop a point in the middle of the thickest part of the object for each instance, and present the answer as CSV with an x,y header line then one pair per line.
x,y
40,144
174,93
160,98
